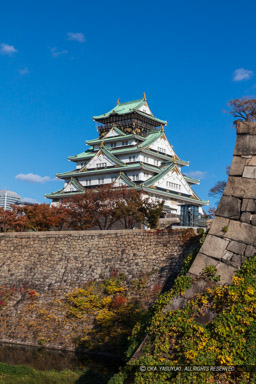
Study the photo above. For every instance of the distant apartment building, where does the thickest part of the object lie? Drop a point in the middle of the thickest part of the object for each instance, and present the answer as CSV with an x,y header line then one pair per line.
x,y
7,198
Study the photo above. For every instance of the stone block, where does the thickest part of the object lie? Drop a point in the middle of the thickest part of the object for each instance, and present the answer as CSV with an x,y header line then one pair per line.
x,y
250,251
237,166
243,232
251,161
246,217
236,261
217,226
236,247
214,246
226,272
197,287
227,255
240,187
249,172
178,302
200,263
248,205
229,207
206,318
245,145
246,127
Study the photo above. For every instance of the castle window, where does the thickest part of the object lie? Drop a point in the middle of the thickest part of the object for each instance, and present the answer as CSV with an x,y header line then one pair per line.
x,y
101,165
145,159
113,145
125,142
88,182
132,159
162,150
155,162
100,181
175,186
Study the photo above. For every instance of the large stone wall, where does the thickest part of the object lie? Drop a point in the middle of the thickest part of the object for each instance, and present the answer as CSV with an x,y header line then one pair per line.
x,y
232,236
64,260
54,264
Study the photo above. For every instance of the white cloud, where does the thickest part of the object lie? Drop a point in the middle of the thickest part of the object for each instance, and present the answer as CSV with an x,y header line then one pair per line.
x,y
196,174
32,178
24,71
242,74
56,53
6,49
78,36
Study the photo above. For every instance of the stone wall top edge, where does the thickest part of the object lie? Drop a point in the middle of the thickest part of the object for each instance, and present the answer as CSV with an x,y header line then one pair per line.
x,y
246,127
87,233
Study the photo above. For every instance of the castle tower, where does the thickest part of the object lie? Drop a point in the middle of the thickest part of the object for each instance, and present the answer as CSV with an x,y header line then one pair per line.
x,y
131,150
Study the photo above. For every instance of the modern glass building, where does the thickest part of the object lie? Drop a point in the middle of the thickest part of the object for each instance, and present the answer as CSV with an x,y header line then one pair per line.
x,y
7,198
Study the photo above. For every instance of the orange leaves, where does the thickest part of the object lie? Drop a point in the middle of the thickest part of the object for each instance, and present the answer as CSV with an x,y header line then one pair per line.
x,y
100,208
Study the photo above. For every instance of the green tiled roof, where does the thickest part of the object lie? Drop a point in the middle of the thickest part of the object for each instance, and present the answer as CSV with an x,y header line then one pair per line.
x,y
152,117
114,138
122,108
111,156
119,131
83,155
191,180
123,168
128,107
162,173
127,180
179,197
77,184
151,138
118,151
61,194
198,201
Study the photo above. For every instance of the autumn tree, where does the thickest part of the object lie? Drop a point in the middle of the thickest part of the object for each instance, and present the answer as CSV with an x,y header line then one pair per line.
x,y
129,207
7,220
40,217
152,212
243,109
105,203
101,207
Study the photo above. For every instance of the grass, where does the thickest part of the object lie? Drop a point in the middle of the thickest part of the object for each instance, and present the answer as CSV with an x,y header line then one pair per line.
x,y
16,374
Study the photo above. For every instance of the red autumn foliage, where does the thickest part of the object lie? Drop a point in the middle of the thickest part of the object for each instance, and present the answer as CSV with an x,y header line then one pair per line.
x,y
100,208
119,301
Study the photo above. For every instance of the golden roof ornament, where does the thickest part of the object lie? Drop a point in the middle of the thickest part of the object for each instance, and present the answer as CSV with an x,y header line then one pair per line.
x,y
174,158
120,173
118,101
162,128
144,96
102,144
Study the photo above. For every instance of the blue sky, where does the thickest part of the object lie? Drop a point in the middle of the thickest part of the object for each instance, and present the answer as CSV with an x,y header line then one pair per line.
x,y
61,62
